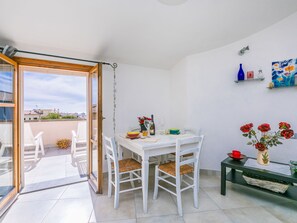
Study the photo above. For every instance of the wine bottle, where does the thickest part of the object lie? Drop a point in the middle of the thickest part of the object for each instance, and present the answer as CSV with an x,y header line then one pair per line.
x,y
153,128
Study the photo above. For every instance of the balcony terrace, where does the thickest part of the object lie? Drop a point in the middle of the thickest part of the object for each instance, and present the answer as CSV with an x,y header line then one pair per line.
x,y
57,166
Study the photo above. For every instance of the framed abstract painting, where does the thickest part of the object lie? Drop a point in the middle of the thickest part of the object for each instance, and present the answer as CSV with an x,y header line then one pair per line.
x,y
284,73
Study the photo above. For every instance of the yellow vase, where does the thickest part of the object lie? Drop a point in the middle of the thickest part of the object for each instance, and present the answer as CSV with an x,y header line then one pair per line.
x,y
263,157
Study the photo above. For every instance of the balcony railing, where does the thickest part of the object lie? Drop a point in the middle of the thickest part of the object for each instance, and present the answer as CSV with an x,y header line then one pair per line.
x,y
53,130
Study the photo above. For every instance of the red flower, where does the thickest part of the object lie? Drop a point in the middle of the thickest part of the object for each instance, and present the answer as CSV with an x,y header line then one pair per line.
x,y
264,127
260,146
284,125
142,119
246,128
287,133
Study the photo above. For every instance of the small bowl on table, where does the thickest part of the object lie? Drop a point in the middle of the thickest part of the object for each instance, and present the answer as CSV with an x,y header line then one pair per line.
x,y
133,135
174,131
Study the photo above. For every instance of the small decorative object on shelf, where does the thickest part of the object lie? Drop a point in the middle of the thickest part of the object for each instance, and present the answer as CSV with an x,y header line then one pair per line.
x,y
251,77
266,139
63,143
240,74
141,122
260,75
271,85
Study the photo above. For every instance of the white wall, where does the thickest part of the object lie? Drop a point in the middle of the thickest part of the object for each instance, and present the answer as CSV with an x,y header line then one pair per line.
x,y
219,106
140,91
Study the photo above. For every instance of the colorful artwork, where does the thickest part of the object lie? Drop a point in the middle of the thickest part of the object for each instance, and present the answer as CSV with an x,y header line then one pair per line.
x,y
284,73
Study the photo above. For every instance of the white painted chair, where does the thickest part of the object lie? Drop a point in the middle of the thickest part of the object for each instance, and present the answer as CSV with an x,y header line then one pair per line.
x,y
32,141
116,170
171,156
180,169
79,137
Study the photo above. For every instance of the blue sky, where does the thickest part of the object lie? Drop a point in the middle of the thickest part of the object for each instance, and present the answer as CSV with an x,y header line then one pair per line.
x,y
64,92
5,81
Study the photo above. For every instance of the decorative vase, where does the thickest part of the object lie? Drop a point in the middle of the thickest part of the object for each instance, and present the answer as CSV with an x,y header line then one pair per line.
x,y
142,128
263,157
240,74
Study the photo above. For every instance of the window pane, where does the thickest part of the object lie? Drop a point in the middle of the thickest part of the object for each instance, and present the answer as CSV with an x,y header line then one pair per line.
x,y
6,151
6,82
94,106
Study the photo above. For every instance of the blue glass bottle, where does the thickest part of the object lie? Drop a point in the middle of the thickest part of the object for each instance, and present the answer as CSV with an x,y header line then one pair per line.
x,y
240,75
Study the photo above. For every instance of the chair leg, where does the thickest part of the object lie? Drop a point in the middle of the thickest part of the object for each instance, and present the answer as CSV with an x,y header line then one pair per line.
x,y
116,192
36,152
178,197
131,177
41,146
109,184
156,182
196,190
2,150
74,150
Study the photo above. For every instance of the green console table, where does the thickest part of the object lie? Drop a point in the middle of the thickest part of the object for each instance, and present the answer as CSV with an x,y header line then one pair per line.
x,y
235,176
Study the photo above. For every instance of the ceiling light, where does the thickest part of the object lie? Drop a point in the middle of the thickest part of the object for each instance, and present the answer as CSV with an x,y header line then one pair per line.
x,y
172,2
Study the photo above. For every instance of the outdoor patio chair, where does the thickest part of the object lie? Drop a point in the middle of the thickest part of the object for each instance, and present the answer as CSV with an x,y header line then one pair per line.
x,y
79,137
181,169
32,141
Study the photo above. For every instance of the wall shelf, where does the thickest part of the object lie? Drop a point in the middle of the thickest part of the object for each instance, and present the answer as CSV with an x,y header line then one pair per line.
x,y
252,79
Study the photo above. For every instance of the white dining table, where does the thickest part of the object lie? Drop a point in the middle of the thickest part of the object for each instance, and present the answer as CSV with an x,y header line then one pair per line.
x,y
153,146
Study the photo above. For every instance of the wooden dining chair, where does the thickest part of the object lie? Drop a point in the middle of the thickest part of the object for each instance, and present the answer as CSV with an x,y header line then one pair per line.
x,y
118,168
181,169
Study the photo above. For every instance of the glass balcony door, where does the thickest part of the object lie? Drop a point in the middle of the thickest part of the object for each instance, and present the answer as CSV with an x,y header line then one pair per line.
x,y
95,128
9,150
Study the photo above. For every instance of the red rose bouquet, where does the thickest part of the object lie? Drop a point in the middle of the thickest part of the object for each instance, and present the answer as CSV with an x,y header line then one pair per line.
x,y
266,139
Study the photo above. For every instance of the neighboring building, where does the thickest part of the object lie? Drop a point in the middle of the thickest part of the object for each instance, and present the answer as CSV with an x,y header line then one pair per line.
x,y
6,97
37,114
30,115
6,114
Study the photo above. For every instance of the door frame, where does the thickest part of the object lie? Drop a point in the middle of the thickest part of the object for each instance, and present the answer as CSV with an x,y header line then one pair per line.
x,y
12,195
96,183
29,62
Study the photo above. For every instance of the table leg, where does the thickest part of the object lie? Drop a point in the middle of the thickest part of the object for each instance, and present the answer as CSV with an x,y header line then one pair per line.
x,y
145,179
120,152
233,171
223,180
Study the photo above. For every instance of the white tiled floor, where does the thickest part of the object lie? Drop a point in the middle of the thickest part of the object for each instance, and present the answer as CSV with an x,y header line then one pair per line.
x,y
78,204
55,165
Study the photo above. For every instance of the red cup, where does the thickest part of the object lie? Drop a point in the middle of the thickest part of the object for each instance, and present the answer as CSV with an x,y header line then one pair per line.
x,y
236,153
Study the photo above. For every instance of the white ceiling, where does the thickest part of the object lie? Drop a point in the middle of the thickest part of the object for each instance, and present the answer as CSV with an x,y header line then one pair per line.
x,y
141,32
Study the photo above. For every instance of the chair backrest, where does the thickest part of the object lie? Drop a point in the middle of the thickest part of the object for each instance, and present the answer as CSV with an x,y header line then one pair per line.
x,y
111,153
28,134
6,133
82,131
187,146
